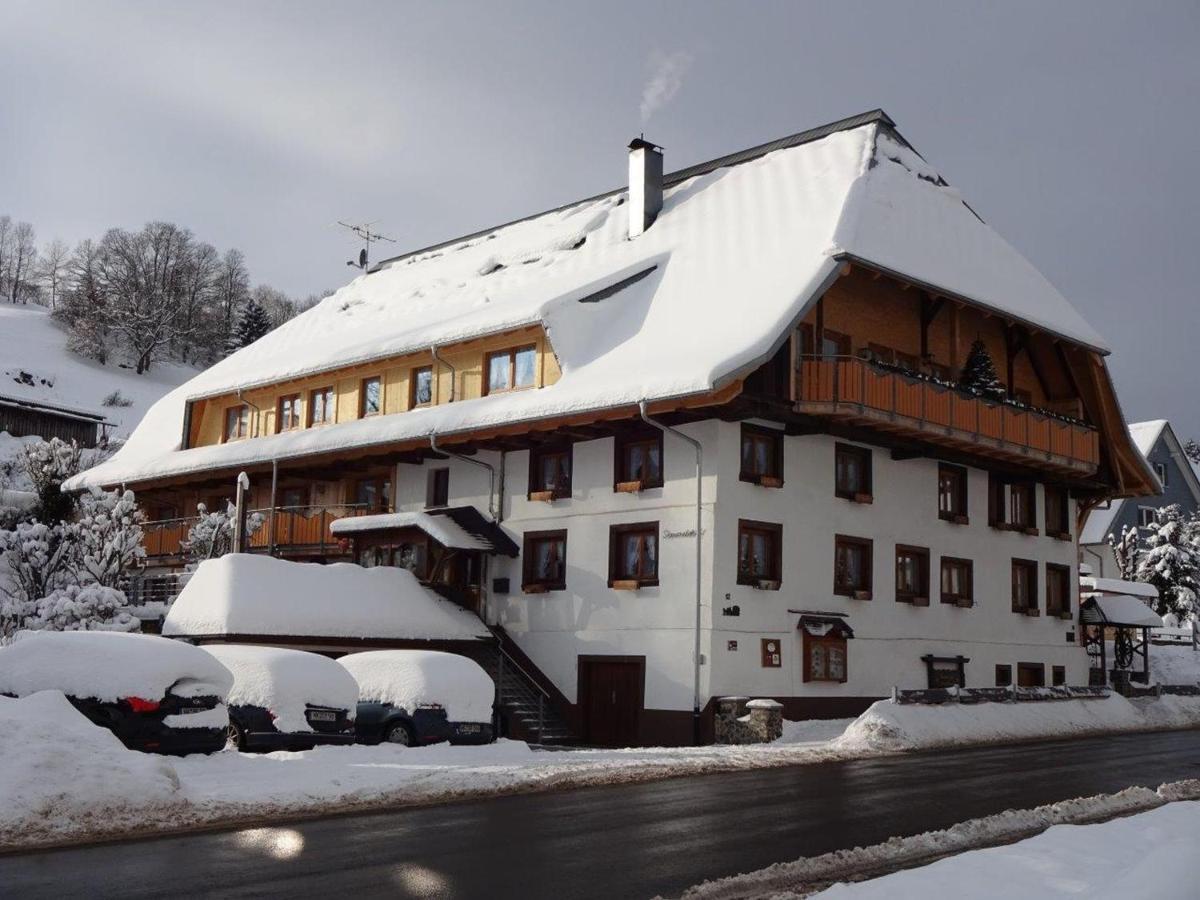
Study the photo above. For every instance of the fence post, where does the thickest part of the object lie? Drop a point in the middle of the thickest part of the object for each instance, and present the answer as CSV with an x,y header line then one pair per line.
x,y
541,699
895,694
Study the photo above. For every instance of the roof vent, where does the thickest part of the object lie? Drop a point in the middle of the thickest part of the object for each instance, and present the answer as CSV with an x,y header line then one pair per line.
x,y
645,184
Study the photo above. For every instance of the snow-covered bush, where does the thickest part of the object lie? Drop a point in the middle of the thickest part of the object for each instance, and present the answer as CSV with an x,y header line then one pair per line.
x,y
107,536
212,534
48,464
1170,560
33,564
82,607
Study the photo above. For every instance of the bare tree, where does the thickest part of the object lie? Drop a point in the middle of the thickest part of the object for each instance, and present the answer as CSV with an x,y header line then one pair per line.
x,y
6,234
23,255
54,269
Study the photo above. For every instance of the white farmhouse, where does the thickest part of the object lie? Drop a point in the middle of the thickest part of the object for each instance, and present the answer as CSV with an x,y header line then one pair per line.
x,y
695,437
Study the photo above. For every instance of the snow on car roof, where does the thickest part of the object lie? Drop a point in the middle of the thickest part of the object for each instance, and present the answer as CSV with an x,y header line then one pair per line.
x,y
413,678
107,666
285,682
250,595
736,256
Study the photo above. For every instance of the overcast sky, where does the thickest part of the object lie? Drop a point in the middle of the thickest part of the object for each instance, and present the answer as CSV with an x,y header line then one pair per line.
x,y
1071,127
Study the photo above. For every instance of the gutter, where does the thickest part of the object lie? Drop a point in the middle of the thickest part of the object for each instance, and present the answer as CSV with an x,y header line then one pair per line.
x,y
433,445
699,547
257,413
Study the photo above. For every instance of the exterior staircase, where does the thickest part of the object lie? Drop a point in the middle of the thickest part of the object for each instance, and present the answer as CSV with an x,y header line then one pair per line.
x,y
524,706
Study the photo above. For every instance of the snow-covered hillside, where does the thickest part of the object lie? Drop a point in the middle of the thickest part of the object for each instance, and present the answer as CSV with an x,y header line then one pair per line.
x,y
36,365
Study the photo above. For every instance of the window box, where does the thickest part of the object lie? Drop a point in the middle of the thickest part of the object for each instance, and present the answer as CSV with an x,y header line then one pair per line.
x,y
1066,614
964,602
770,481
955,519
1059,535
628,487
861,498
1032,611
1029,530
626,584
544,496
767,584
862,595
919,601
535,588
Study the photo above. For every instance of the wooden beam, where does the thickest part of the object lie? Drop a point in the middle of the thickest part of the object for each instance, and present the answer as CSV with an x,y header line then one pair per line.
x,y
930,307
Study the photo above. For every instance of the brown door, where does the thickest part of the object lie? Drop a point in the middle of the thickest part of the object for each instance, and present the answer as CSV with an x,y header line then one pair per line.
x,y
611,701
1031,675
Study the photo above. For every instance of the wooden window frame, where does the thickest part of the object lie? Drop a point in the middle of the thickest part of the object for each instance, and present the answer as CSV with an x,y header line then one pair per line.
x,y
383,493
866,461
774,533
956,666
1029,490
1032,608
537,491
437,482
623,580
1061,530
414,376
1146,516
845,345
1062,608
297,420
1004,675
1058,676
330,408
855,592
243,423
623,480
958,477
362,397
810,642
997,501
774,438
966,600
919,597
531,584
511,353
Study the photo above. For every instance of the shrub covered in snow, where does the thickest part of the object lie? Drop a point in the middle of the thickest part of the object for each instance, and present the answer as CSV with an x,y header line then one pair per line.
x,y
212,534
413,678
86,607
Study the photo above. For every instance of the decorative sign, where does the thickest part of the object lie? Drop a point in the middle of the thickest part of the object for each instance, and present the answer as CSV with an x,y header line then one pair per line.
x,y
691,532
731,611
772,656
731,645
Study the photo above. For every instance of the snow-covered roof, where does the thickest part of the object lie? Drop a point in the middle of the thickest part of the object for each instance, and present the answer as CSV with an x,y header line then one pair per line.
x,y
1122,609
285,682
1117,586
246,594
108,666
442,529
738,253
412,678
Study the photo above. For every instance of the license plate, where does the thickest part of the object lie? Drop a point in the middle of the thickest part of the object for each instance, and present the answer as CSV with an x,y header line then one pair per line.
x,y
470,728
321,715
188,710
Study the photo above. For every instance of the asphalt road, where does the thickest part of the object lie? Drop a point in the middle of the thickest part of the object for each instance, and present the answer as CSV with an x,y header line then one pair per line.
x,y
610,842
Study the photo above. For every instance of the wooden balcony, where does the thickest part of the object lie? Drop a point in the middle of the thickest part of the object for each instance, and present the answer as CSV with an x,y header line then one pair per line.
x,y
857,392
291,531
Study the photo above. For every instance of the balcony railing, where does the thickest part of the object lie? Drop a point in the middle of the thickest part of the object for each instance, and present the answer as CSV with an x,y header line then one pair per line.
x,y
292,529
856,391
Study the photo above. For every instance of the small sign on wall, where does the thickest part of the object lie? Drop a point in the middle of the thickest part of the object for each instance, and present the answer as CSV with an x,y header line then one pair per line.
x,y
772,654
731,645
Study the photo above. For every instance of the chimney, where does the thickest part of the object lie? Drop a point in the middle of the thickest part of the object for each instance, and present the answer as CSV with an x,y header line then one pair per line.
x,y
645,184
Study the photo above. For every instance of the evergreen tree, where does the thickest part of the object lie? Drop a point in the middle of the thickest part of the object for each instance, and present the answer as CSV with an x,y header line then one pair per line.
x,y
1192,450
253,324
1171,561
979,374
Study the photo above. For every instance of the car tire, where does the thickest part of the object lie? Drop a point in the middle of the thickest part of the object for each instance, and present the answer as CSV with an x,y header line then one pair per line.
x,y
235,738
399,733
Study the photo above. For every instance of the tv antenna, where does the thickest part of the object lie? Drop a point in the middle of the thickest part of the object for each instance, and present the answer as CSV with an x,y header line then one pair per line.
x,y
369,237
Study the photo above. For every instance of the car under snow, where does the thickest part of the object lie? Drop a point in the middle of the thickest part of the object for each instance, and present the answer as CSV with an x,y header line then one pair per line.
x,y
414,697
154,694
286,699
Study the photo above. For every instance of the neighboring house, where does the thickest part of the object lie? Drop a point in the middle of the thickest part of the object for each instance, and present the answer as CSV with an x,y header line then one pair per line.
x,y
516,415
1163,451
22,417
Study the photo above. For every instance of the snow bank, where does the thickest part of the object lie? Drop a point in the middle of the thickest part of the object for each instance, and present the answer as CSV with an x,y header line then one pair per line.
x,y
285,682
63,776
1174,665
108,666
888,726
413,678
245,594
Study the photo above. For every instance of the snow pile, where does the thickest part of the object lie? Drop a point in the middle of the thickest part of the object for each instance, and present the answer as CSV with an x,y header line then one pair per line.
x,y
1173,665
246,594
799,878
285,682
63,776
891,727
413,678
109,666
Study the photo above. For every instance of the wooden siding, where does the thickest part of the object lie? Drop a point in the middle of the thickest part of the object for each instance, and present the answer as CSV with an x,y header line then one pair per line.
x,y
22,421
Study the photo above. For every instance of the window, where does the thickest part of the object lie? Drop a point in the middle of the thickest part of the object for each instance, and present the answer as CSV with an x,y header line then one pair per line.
x,y
958,581
370,397
1058,675
544,567
550,473
287,414
320,406
1031,674
509,370
1022,506
996,499
1160,469
912,575
824,658
760,560
639,462
373,494
633,555
945,671
421,386
834,343
852,567
762,456
907,361
1003,675
852,473
1024,587
1146,516
1058,590
437,488
237,423
292,498
1057,521
879,352
952,493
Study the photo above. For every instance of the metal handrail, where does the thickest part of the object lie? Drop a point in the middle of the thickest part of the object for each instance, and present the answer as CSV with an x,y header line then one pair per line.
x,y
542,694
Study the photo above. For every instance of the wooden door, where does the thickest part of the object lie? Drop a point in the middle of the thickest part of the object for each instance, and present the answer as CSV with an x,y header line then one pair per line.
x,y
611,701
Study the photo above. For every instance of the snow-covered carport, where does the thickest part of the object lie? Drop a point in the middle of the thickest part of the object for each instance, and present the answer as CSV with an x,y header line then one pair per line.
x,y
1123,607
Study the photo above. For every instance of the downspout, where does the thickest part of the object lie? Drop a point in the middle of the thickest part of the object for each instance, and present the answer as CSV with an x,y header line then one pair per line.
x,y
699,545
453,374
257,412
433,445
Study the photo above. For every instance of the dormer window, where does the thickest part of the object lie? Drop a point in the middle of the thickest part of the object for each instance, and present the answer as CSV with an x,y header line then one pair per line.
x,y
237,423
370,402
422,386
320,406
510,370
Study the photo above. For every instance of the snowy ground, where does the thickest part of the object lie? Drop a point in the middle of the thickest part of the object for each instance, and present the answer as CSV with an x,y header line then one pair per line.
x,y
65,780
1174,665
